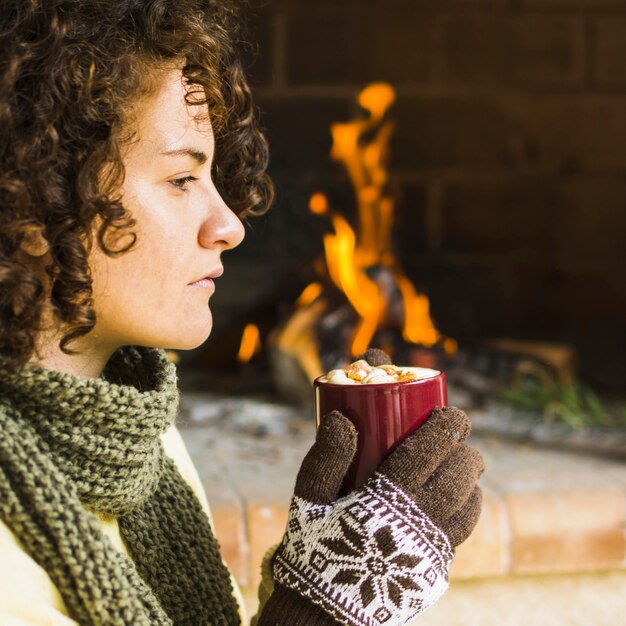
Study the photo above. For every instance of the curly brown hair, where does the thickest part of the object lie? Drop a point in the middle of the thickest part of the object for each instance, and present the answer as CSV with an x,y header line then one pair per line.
x,y
70,71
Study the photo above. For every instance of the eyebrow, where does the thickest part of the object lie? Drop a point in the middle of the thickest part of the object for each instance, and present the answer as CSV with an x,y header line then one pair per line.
x,y
198,155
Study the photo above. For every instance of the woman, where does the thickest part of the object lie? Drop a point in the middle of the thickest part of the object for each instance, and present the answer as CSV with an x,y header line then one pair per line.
x,y
129,156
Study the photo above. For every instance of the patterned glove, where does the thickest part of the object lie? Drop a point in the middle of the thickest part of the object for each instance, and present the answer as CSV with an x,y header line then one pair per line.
x,y
381,554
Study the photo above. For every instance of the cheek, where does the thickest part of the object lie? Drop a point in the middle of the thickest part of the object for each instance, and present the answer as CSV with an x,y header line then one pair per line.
x,y
155,271
167,267
137,275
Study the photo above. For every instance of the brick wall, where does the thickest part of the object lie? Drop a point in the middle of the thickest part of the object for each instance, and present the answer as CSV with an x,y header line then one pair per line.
x,y
509,157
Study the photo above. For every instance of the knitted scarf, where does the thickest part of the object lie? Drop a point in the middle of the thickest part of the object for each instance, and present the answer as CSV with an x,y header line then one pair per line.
x,y
70,448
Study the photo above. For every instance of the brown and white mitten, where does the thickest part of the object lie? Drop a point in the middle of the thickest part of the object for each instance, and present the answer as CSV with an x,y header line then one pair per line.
x,y
381,554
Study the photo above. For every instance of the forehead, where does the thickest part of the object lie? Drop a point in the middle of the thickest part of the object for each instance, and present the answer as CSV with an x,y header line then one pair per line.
x,y
172,114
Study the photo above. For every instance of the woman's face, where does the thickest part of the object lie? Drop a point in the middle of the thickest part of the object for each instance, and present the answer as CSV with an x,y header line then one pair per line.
x,y
157,294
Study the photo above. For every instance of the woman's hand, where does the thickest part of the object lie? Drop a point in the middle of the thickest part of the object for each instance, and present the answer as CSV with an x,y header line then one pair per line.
x,y
381,554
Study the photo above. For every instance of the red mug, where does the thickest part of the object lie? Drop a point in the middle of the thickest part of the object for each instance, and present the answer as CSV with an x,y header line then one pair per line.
x,y
383,414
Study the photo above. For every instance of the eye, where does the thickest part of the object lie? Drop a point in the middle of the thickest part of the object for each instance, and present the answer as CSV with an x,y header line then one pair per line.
x,y
181,183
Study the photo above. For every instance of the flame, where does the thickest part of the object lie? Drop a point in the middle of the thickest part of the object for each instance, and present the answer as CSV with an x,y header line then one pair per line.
x,y
362,146
297,338
348,257
418,327
250,343
349,276
366,164
318,204
309,295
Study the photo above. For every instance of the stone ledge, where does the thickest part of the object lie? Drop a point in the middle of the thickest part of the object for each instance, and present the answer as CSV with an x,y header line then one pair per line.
x,y
544,512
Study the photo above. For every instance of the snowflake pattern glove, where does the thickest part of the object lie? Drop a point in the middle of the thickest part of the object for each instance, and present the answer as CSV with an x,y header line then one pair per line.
x,y
381,554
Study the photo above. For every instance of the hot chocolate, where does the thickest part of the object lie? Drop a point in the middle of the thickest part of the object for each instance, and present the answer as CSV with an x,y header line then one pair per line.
x,y
385,403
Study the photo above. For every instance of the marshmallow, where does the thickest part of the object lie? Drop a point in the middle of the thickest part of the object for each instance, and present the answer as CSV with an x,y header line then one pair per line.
x,y
339,377
378,375
361,372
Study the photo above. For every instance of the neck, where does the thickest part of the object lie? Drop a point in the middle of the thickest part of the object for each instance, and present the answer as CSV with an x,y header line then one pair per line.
x,y
87,360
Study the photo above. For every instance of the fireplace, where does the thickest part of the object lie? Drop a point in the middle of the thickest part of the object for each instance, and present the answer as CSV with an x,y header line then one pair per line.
x,y
505,169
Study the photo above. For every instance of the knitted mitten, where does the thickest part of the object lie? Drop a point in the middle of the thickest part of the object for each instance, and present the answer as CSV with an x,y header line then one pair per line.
x,y
379,555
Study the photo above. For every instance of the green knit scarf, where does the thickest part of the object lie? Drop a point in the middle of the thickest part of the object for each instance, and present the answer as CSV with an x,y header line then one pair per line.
x,y
71,447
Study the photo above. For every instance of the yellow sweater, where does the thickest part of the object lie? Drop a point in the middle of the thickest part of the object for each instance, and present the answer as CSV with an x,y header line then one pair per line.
x,y
29,597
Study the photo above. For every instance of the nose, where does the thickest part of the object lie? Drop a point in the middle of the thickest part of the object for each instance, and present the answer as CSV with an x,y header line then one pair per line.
x,y
221,226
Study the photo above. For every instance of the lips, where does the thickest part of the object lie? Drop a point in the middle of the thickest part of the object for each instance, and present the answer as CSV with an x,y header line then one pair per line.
x,y
206,281
210,275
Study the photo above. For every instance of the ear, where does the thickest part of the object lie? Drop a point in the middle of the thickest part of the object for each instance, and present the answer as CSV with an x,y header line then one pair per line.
x,y
34,242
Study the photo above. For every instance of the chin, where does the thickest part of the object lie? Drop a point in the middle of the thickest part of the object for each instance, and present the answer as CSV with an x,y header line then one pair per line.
x,y
191,340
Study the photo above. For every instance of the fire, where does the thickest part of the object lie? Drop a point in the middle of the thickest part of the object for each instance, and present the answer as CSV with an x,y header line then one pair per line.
x,y
349,276
310,294
356,260
366,163
349,257
250,343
